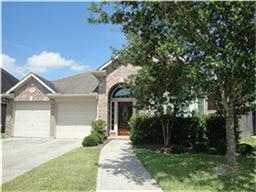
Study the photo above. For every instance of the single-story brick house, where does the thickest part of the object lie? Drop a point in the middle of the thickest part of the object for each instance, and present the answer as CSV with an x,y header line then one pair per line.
x,y
64,108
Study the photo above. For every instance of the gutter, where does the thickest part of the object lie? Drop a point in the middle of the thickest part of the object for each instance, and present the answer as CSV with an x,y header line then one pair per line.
x,y
9,95
58,95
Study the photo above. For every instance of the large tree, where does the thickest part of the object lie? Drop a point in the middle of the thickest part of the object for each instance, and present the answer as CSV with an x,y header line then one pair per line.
x,y
216,39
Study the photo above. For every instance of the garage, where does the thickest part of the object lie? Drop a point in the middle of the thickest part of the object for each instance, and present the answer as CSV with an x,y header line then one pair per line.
x,y
73,118
31,119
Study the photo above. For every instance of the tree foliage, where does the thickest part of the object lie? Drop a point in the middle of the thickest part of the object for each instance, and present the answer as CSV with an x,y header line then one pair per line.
x,y
216,41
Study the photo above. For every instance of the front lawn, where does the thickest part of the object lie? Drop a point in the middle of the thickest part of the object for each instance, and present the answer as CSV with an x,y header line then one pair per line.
x,y
73,171
193,172
249,140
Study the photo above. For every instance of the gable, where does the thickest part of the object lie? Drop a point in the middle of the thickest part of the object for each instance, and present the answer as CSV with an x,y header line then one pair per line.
x,y
39,79
31,90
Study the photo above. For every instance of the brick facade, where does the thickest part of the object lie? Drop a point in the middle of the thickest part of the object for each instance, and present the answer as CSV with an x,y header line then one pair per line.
x,y
9,119
113,78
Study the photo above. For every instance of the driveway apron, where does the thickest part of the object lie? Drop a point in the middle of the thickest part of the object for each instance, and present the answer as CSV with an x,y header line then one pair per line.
x,y
23,154
119,169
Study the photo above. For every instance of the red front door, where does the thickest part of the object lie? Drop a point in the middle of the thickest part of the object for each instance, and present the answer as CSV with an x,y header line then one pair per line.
x,y
124,114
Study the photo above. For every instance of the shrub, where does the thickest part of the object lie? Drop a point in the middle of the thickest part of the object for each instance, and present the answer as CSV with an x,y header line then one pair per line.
x,y
145,129
221,147
90,140
245,149
200,147
98,126
177,149
100,137
216,133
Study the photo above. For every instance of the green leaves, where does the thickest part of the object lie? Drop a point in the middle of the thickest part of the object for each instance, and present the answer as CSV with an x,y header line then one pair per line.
x,y
214,40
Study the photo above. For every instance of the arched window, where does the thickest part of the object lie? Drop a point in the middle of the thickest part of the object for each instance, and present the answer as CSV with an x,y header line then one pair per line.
x,y
121,92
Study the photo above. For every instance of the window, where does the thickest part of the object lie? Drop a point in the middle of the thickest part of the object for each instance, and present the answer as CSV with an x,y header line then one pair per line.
x,y
121,93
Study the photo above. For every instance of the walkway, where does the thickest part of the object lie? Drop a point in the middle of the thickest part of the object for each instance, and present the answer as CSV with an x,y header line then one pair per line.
x,y
119,169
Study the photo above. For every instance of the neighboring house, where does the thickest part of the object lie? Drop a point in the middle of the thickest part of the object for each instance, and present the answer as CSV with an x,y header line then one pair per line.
x,y
64,108
7,81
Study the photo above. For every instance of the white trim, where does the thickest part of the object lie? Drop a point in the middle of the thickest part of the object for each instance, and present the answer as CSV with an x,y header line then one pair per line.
x,y
108,63
25,79
116,118
72,95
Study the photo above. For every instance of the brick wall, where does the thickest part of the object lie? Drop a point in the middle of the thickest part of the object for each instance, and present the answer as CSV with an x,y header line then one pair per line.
x,y
114,77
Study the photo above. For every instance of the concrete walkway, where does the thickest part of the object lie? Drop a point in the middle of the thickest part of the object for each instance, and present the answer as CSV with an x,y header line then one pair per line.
x,y
119,169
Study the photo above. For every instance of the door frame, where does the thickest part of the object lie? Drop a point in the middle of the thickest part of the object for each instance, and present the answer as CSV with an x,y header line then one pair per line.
x,y
115,101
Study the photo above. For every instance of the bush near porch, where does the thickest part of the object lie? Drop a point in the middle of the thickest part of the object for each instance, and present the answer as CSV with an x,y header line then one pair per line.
x,y
97,135
197,132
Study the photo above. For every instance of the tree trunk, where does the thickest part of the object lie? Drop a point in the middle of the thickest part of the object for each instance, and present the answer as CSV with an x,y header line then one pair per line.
x,y
167,130
230,137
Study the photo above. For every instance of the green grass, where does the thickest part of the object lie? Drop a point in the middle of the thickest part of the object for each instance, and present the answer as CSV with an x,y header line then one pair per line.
x,y
194,172
73,171
249,140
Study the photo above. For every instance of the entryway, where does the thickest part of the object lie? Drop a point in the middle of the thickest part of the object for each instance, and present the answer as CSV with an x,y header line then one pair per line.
x,y
120,110
124,114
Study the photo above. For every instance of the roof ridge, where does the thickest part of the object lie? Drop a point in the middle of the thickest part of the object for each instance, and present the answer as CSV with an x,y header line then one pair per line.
x,y
86,72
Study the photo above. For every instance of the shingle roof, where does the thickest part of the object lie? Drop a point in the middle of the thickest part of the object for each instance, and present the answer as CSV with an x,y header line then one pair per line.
x,y
47,82
7,81
84,83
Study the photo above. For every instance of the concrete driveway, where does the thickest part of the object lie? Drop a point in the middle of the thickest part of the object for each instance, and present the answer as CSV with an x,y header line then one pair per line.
x,y
23,154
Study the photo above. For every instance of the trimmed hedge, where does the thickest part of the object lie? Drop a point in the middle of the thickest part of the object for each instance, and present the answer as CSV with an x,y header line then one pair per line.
x,y
145,129
177,149
245,149
198,132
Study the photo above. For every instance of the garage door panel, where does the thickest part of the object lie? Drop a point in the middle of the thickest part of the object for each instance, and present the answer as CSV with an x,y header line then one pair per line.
x,y
32,119
74,118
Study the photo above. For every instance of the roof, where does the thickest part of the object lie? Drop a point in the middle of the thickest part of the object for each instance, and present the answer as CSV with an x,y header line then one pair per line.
x,y
41,80
84,83
7,81
47,82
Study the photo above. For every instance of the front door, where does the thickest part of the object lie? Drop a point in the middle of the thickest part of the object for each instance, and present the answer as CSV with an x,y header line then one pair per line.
x,y
124,114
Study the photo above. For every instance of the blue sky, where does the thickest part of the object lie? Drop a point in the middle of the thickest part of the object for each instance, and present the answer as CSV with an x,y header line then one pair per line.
x,y
54,39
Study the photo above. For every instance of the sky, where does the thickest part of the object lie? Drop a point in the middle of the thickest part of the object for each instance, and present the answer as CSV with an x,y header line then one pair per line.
x,y
54,40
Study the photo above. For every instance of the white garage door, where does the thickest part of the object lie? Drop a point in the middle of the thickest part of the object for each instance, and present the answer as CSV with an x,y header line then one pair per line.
x,y
74,118
32,119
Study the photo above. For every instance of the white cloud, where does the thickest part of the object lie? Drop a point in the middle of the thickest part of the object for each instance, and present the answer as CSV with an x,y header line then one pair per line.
x,y
47,61
9,64
41,63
